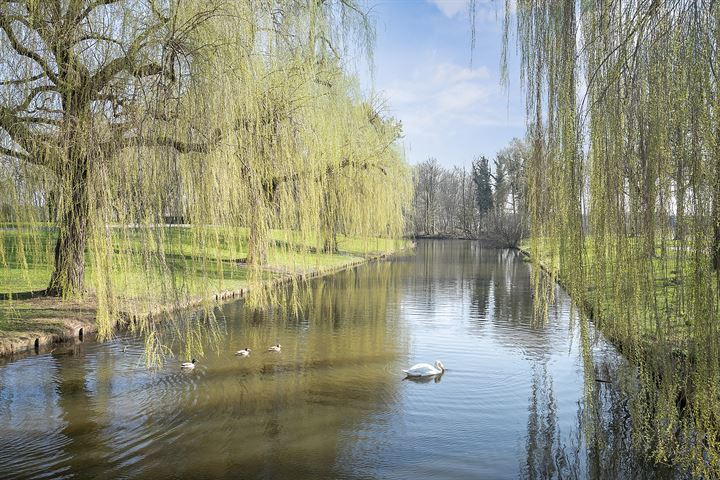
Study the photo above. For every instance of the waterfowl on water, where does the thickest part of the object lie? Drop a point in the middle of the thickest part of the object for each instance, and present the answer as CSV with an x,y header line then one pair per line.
x,y
274,348
243,353
189,365
425,369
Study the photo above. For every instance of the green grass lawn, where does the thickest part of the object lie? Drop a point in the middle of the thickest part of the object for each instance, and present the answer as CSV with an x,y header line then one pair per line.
x,y
178,265
179,259
659,289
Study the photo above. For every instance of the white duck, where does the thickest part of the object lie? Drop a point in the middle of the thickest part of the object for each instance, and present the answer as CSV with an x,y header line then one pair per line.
x,y
189,365
243,353
274,348
425,369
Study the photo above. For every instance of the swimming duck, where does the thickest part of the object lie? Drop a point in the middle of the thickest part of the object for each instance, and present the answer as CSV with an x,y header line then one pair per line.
x,y
243,353
189,365
274,348
425,369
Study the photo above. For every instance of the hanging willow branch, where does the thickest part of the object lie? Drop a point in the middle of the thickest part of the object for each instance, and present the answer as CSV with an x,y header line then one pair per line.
x,y
624,197
117,117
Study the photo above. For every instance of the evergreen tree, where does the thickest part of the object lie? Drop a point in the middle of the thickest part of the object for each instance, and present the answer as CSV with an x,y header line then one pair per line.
x,y
501,186
482,179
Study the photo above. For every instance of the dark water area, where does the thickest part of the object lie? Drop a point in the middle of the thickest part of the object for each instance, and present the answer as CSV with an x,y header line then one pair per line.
x,y
514,402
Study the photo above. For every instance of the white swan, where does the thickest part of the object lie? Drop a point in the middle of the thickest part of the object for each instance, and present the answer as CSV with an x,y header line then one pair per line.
x,y
189,365
425,369
274,348
243,353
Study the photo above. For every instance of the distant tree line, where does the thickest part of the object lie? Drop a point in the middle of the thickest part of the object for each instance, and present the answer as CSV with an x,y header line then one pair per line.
x,y
485,201
444,203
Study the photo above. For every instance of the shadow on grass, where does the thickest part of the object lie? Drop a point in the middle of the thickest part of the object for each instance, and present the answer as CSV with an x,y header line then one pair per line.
x,y
23,295
42,314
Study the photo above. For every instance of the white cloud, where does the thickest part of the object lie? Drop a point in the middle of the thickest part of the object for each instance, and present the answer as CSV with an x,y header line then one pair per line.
x,y
447,103
400,96
461,96
453,73
450,8
447,94
448,109
485,10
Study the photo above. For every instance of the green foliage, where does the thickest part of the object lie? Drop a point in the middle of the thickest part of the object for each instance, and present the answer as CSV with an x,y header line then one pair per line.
x,y
483,184
240,120
511,161
624,197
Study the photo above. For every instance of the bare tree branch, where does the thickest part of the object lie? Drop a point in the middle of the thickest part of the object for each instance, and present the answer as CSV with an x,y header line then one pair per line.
x,y
20,81
169,142
13,153
41,147
5,25
34,92
72,15
98,37
125,62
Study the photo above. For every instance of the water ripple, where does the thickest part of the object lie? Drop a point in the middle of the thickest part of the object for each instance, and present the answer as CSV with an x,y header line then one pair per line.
x,y
333,403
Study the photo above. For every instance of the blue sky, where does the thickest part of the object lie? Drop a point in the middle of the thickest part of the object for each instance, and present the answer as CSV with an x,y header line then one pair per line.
x,y
450,110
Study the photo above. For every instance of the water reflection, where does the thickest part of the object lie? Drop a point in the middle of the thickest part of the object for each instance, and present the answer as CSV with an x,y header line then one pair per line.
x,y
546,455
333,404
427,379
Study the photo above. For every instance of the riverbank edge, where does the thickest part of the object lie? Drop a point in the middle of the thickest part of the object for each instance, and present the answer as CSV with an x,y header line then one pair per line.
x,y
442,236
83,323
588,309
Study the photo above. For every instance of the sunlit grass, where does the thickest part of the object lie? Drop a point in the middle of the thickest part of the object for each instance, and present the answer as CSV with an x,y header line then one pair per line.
x,y
190,269
667,277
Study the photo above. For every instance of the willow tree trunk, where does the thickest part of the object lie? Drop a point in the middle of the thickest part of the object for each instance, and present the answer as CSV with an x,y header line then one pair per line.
x,y
257,246
259,238
68,279
329,227
330,245
69,276
680,200
716,238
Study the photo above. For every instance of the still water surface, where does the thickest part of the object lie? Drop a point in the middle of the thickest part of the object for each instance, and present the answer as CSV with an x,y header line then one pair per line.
x,y
333,403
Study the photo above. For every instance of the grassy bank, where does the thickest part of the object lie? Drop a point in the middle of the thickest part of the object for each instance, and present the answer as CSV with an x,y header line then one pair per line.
x,y
662,287
659,308
180,273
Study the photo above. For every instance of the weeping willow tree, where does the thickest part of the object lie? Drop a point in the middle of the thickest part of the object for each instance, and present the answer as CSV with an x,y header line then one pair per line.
x,y
624,195
240,119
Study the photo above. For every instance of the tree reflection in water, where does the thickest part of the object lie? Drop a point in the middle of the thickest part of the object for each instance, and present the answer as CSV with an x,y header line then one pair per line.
x,y
599,445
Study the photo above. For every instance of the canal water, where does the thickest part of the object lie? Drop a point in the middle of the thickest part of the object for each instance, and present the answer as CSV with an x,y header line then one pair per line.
x,y
333,403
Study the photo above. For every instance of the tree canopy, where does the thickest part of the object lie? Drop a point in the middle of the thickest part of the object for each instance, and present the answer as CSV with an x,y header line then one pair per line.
x,y
624,194
482,178
119,116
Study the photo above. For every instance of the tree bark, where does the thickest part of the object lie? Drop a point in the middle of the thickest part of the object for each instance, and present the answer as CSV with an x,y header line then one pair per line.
x,y
68,279
259,238
330,244
716,240
329,232
258,241
257,245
